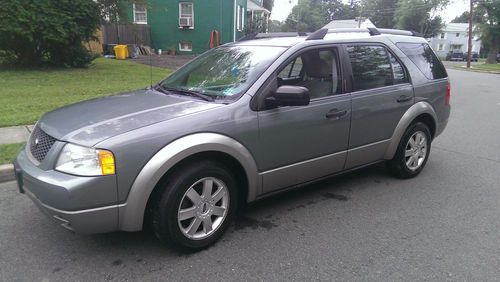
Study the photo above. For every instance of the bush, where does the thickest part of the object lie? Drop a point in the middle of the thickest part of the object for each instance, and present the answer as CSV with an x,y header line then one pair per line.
x,y
35,32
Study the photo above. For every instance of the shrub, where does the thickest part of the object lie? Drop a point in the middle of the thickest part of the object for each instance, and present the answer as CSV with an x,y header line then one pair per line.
x,y
34,32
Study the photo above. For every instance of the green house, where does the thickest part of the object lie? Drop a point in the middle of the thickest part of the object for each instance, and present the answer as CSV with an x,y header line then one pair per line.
x,y
189,26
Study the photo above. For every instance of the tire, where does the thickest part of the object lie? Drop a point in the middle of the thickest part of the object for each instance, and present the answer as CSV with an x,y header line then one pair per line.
x,y
400,165
189,218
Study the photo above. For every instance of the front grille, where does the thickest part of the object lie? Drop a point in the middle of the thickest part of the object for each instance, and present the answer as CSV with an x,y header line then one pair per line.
x,y
40,144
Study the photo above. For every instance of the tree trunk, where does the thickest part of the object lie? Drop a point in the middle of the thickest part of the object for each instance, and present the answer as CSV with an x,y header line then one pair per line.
x,y
492,55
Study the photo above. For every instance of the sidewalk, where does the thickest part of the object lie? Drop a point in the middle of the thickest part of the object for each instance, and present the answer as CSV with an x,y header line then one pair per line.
x,y
15,134
10,135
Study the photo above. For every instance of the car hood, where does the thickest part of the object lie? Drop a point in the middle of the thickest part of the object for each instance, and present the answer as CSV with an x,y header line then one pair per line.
x,y
90,122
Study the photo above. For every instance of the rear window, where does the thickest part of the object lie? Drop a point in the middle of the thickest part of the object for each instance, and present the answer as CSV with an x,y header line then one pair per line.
x,y
425,59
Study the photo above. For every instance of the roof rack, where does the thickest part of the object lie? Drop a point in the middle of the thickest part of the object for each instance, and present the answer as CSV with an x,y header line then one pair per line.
x,y
321,33
253,36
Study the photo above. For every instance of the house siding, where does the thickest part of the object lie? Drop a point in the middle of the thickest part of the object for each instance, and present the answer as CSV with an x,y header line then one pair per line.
x,y
451,40
163,18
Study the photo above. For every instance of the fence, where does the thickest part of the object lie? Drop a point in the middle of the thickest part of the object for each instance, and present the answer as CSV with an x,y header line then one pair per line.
x,y
126,34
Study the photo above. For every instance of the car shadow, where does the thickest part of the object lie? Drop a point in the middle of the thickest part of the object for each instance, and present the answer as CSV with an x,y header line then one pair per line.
x,y
260,213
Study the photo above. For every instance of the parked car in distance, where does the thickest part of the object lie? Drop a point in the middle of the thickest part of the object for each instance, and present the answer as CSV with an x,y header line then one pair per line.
x,y
239,123
498,57
455,56
474,56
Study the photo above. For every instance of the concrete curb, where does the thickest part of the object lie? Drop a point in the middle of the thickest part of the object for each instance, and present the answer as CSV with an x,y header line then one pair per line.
x,y
7,173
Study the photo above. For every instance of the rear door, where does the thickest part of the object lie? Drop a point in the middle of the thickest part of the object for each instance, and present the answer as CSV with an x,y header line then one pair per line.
x,y
381,94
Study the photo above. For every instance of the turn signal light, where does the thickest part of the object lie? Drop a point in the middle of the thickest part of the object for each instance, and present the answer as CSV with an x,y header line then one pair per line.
x,y
107,162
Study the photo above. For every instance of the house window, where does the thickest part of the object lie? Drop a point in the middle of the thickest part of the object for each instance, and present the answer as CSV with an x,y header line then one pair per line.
x,y
240,18
186,15
440,47
457,34
442,35
185,46
140,13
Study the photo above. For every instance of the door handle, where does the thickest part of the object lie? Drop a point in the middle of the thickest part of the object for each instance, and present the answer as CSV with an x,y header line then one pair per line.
x,y
335,113
404,98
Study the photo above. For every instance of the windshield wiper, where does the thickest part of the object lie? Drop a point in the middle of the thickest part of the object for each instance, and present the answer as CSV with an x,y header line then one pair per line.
x,y
168,90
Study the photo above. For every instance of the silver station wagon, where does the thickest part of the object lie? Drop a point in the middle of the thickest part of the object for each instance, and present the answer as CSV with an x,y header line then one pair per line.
x,y
238,123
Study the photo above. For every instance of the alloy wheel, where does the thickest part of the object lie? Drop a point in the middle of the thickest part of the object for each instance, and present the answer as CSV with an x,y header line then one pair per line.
x,y
203,208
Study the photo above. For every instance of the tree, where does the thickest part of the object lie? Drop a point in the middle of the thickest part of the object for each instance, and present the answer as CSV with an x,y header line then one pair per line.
x,y
489,28
464,17
306,16
268,4
380,12
420,16
115,10
33,32
311,15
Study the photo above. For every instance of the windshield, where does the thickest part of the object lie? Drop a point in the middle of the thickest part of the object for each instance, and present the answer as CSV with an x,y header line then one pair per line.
x,y
224,72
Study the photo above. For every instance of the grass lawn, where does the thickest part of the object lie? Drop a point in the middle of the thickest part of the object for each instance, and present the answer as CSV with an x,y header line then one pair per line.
x,y
488,67
8,152
26,94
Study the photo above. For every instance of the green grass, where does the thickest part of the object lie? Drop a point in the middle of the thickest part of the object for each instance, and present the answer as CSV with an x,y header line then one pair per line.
x,y
8,152
488,67
26,94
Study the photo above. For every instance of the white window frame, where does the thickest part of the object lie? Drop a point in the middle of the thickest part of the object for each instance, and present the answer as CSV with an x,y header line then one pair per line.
x,y
242,25
444,35
192,13
145,13
238,18
185,49
440,47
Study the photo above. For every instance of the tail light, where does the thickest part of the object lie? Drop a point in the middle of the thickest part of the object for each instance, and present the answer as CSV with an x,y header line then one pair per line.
x,y
448,95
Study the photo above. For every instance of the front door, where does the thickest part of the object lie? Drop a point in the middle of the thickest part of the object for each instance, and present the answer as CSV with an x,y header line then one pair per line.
x,y
299,144
381,94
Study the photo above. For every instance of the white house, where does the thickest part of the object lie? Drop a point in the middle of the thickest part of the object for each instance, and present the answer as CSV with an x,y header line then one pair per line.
x,y
454,37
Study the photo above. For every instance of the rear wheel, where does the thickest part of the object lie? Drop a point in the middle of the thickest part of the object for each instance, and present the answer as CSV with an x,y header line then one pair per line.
x,y
413,151
196,206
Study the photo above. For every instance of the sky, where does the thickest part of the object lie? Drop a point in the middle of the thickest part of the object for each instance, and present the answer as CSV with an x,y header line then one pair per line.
x,y
283,7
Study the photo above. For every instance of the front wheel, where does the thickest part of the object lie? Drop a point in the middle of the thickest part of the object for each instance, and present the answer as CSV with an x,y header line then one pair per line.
x,y
196,206
412,153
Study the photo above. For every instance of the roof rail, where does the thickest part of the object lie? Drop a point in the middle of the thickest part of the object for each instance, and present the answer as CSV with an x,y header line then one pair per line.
x,y
255,35
321,33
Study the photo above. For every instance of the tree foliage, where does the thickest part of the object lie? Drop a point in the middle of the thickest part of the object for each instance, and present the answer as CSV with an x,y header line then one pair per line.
x,y
268,4
489,27
115,10
33,32
380,12
420,16
310,15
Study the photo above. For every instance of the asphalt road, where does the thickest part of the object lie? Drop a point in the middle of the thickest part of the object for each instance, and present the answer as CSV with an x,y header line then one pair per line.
x,y
442,225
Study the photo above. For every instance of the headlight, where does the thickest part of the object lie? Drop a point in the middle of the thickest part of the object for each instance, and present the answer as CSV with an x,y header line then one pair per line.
x,y
85,161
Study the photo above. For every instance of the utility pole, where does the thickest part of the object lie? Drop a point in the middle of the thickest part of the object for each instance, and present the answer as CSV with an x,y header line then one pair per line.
x,y
469,52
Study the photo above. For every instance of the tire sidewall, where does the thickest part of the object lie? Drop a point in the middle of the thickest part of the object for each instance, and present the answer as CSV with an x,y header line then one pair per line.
x,y
175,191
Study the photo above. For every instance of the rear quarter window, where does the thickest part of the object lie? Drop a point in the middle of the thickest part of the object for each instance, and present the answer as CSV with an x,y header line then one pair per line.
x,y
424,58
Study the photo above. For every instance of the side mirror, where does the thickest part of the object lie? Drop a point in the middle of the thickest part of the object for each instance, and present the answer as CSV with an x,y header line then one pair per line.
x,y
288,95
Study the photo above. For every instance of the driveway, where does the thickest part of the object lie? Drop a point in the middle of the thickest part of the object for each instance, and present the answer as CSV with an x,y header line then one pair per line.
x,y
366,225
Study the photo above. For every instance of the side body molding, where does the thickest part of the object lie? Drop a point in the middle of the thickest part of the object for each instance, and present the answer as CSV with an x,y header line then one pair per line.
x,y
131,215
413,112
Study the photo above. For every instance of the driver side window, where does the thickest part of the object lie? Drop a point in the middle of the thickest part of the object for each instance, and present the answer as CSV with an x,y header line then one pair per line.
x,y
317,70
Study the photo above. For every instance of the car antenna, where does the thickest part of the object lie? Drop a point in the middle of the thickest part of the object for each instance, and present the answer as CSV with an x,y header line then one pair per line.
x,y
150,62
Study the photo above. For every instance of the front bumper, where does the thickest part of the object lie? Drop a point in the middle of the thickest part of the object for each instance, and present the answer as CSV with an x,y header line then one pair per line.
x,y
83,204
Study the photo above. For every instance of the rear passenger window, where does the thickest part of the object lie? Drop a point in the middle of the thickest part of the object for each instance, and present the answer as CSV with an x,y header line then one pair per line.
x,y
397,70
371,67
424,58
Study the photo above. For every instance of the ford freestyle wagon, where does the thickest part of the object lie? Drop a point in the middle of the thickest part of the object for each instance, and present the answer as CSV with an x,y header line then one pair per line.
x,y
238,123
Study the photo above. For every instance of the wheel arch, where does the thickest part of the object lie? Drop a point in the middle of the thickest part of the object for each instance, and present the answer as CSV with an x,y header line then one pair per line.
x,y
189,148
420,111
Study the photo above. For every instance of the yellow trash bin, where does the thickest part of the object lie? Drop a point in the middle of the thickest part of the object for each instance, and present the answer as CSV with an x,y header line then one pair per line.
x,y
121,52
